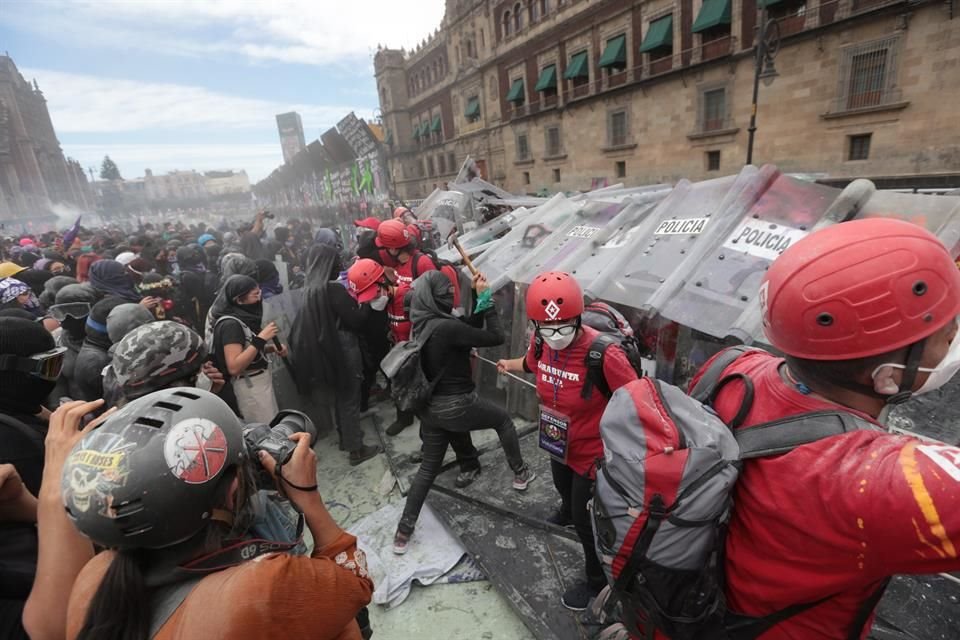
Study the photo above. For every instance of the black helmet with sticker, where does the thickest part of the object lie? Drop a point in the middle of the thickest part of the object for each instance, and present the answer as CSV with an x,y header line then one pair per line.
x,y
151,476
156,354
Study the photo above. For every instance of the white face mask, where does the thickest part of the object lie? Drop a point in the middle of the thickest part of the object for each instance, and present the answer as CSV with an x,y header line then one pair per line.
x,y
939,375
558,342
380,303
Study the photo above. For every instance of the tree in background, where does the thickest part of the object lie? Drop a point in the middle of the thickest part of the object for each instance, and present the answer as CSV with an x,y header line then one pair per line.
x,y
109,170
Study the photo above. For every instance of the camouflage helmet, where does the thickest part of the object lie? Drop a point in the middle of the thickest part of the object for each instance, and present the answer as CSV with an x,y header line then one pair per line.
x,y
153,355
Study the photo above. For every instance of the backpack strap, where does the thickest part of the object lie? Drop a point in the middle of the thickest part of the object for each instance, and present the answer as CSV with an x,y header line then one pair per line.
x,y
784,435
712,376
594,363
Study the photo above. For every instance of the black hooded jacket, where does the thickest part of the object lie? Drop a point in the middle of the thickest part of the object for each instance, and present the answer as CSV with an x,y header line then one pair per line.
x,y
328,308
450,341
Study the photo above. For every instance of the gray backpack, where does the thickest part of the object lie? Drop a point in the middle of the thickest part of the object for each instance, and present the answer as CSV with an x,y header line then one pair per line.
x,y
663,498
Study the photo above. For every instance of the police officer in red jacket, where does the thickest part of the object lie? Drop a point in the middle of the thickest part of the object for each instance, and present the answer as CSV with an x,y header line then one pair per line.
x,y
866,313
570,423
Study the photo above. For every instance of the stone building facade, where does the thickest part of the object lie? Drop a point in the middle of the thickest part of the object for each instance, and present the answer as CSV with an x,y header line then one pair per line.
x,y
551,95
34,174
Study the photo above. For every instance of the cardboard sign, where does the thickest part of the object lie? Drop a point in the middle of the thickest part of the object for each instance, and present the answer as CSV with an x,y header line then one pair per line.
x,y
683,226
763,239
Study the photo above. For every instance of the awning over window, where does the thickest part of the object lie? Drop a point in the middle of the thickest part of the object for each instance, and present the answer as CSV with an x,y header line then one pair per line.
x,y
713,14
548,78
516,91
473,108
659,35
578,67
437,124
389,138
416,130
615,54
770,3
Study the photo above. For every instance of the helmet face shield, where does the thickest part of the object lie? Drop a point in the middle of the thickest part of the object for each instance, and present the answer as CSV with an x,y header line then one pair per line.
x,y
46,365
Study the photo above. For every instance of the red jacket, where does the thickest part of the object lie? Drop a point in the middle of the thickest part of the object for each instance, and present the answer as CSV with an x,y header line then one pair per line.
x,y
399,321
835,517
560,379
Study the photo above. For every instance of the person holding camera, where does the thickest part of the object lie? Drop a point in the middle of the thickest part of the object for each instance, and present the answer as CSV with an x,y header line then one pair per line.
x,y
171,507
240,345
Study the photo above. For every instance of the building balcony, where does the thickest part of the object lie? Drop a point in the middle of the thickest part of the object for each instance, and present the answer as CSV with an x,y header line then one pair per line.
x,y
716,48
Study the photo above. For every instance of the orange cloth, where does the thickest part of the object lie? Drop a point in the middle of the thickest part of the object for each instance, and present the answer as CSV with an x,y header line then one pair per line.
x,y
312,597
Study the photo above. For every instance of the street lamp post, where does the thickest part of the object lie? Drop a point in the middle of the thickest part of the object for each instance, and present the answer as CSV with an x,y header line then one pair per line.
x,y
768,45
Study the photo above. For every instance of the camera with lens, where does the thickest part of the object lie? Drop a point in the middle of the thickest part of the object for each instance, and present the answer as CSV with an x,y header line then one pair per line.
x,y
274,438
268,215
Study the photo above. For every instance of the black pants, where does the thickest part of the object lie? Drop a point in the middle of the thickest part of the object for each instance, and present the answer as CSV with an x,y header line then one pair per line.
x,y
347,397
450,419
575,491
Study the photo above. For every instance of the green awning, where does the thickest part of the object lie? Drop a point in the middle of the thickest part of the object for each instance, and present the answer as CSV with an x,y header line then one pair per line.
x,y
578,67
769,3
659,35
416,131
389,138
516,91
435,127
548,78
615,54
713,14
473,108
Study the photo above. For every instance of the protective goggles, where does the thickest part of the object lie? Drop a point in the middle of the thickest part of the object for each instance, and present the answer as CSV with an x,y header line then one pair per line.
x,y
564,331
46,365
76,310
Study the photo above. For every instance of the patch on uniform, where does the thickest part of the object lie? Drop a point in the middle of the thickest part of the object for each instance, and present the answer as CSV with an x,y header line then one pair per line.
x,y
195,450
944,456
762,295
552,310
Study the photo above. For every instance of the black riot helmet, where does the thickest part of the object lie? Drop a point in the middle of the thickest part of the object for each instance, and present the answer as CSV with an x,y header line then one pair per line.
x,y
151,476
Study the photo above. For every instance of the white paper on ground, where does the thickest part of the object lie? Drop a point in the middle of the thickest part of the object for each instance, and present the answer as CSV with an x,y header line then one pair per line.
x,y
431,553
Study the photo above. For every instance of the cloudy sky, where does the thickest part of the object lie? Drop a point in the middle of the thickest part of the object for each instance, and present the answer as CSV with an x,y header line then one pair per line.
x,y
195,84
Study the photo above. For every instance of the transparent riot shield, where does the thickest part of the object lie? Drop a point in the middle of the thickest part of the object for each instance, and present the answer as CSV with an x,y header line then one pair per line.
x,y
478,240
661,242
445,211
526,236
610,242
939,214
712,297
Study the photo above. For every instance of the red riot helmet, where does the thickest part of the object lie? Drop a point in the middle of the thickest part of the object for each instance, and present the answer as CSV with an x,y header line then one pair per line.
x,y
363,277
394,234
859,289
554,296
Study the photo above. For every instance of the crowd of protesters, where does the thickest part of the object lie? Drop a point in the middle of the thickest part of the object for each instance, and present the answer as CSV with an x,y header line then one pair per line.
x,y
130,504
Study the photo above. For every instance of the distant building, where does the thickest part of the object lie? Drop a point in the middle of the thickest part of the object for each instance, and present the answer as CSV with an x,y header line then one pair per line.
x,y
34,174
562,95
221,183
175,185
291,135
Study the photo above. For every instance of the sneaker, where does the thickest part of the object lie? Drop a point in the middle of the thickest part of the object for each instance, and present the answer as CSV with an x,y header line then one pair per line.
x,y
400,542
363,454
523,477
561,519
578,597
396,427
466,478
